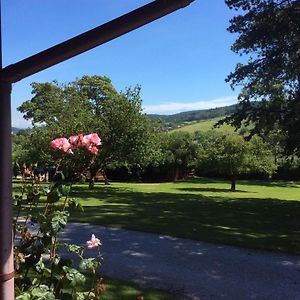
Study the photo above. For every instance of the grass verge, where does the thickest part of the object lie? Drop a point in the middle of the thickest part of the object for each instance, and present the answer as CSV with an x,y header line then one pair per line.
x,y
116,289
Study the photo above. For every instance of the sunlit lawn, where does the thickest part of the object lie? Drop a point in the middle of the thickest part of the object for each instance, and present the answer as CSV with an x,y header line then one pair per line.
x,y
261,215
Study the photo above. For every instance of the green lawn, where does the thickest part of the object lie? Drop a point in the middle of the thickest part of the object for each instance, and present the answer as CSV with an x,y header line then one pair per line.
x,y
116,289
260,215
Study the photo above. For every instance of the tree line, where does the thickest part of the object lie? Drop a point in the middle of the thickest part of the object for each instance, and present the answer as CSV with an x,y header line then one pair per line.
x,y
133,146
267,33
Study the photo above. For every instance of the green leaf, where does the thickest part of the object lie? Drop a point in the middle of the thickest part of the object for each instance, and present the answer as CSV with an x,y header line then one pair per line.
x,y
88,265
65,189
58,221
42,293
46,190
24,296
85,295
74,277
40,265
19,227
37,293
17,200
75,204
72,248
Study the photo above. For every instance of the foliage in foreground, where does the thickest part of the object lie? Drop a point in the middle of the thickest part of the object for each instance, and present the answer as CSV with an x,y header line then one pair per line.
x,y
41,271
44,268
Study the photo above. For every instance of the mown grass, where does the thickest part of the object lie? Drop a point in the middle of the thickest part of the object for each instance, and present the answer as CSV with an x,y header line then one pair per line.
x,y
259,215
116,289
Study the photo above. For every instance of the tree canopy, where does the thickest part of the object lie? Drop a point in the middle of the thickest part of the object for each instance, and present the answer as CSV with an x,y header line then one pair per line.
x,y
230,156
268,34
180,153
89,104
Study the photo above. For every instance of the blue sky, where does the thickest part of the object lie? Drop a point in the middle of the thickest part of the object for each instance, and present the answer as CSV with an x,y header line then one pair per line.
x,y
181,61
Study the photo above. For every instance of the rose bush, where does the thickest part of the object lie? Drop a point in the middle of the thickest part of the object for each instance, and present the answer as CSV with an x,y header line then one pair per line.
x,y
44,268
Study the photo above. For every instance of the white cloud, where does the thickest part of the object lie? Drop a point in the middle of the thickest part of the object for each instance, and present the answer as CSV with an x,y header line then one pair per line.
x,y
175,107
18,121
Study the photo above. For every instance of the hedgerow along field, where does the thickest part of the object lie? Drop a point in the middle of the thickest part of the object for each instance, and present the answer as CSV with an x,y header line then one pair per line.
x,y
259,215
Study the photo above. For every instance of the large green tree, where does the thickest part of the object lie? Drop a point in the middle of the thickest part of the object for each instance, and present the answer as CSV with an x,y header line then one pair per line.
x,y
268,35
19,151
176,154
230,156
90,104
180,153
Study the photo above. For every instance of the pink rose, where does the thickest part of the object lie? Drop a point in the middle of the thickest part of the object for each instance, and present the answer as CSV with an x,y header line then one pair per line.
x,y
55,144
95,139
93,149
89,141
75,140
61,144
92,138
86,141
93,242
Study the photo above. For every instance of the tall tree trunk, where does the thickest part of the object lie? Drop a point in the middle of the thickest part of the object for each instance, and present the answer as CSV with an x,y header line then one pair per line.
x,y
106,182
177,174
91,182
93,173
233,181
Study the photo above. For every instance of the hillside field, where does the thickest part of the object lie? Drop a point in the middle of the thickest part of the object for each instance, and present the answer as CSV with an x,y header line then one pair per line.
x,y
204,125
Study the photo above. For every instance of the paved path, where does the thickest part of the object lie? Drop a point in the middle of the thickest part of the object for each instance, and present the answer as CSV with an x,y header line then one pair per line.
x,y
193,269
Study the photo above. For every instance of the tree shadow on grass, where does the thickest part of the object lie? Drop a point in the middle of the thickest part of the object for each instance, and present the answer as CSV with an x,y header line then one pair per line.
x,y
289,184
206,180
215,190
255,223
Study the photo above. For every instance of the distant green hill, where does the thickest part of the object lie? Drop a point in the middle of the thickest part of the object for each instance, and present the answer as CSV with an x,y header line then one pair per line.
x,y
195,115
203,125
15,130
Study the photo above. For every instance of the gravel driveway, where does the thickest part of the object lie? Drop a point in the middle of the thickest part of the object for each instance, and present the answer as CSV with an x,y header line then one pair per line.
x,y
192,269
